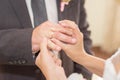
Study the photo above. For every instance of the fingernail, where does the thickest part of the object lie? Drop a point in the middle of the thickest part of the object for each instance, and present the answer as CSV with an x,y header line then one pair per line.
x,y
62,9
62,23
74,40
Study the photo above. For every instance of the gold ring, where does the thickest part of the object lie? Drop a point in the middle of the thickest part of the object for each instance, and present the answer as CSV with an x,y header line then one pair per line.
x,y
51,34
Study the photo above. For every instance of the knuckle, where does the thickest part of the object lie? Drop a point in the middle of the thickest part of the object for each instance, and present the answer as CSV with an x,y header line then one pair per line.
x,y
73,22
47,22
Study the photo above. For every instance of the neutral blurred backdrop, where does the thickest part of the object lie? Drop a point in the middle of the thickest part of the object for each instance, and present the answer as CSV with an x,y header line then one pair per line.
x,y
104,19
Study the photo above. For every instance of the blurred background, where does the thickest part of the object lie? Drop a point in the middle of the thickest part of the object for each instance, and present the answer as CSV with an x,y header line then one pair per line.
x,y
104,20
103,17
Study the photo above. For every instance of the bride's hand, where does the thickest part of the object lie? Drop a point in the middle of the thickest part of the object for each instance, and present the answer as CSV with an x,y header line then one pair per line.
x,y
74,51
49,64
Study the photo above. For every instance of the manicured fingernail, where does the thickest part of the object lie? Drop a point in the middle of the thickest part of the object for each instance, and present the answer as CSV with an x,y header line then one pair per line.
x,y
62,23
74,40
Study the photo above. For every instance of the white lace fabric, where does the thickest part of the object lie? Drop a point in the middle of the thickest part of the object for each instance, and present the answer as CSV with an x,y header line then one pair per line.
x,y
112,67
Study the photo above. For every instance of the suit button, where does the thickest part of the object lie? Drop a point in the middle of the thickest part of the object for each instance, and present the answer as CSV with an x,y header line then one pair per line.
x,y
15,62
22,61
19,62
10,62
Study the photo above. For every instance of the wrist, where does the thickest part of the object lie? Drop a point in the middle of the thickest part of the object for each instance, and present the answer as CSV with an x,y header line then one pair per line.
x,y
51,77
55,76
82,58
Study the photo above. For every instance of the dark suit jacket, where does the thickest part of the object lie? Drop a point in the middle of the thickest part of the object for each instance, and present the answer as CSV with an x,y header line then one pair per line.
x,y
16,59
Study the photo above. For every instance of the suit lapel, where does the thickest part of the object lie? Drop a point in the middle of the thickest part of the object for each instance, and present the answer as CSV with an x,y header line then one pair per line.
x,y
21,11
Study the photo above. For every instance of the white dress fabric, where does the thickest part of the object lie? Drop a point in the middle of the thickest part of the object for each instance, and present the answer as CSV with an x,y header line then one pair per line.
x,y
76,76
112,67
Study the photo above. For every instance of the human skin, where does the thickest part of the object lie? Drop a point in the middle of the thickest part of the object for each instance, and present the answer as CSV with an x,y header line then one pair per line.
x,y
76,51
49,64
47,29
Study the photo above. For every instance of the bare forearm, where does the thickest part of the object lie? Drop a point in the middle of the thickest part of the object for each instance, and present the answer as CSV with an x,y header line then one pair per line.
x,y
93,64
54,75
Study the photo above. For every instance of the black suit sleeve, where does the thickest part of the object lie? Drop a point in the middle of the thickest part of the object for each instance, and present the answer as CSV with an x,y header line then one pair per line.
x,y
15,47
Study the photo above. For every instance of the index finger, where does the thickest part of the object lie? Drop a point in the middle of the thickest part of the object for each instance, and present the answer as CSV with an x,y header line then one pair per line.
x,y
68,23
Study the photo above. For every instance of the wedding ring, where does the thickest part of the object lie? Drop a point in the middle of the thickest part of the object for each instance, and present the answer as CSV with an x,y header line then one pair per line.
x,y
51,34
52,29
